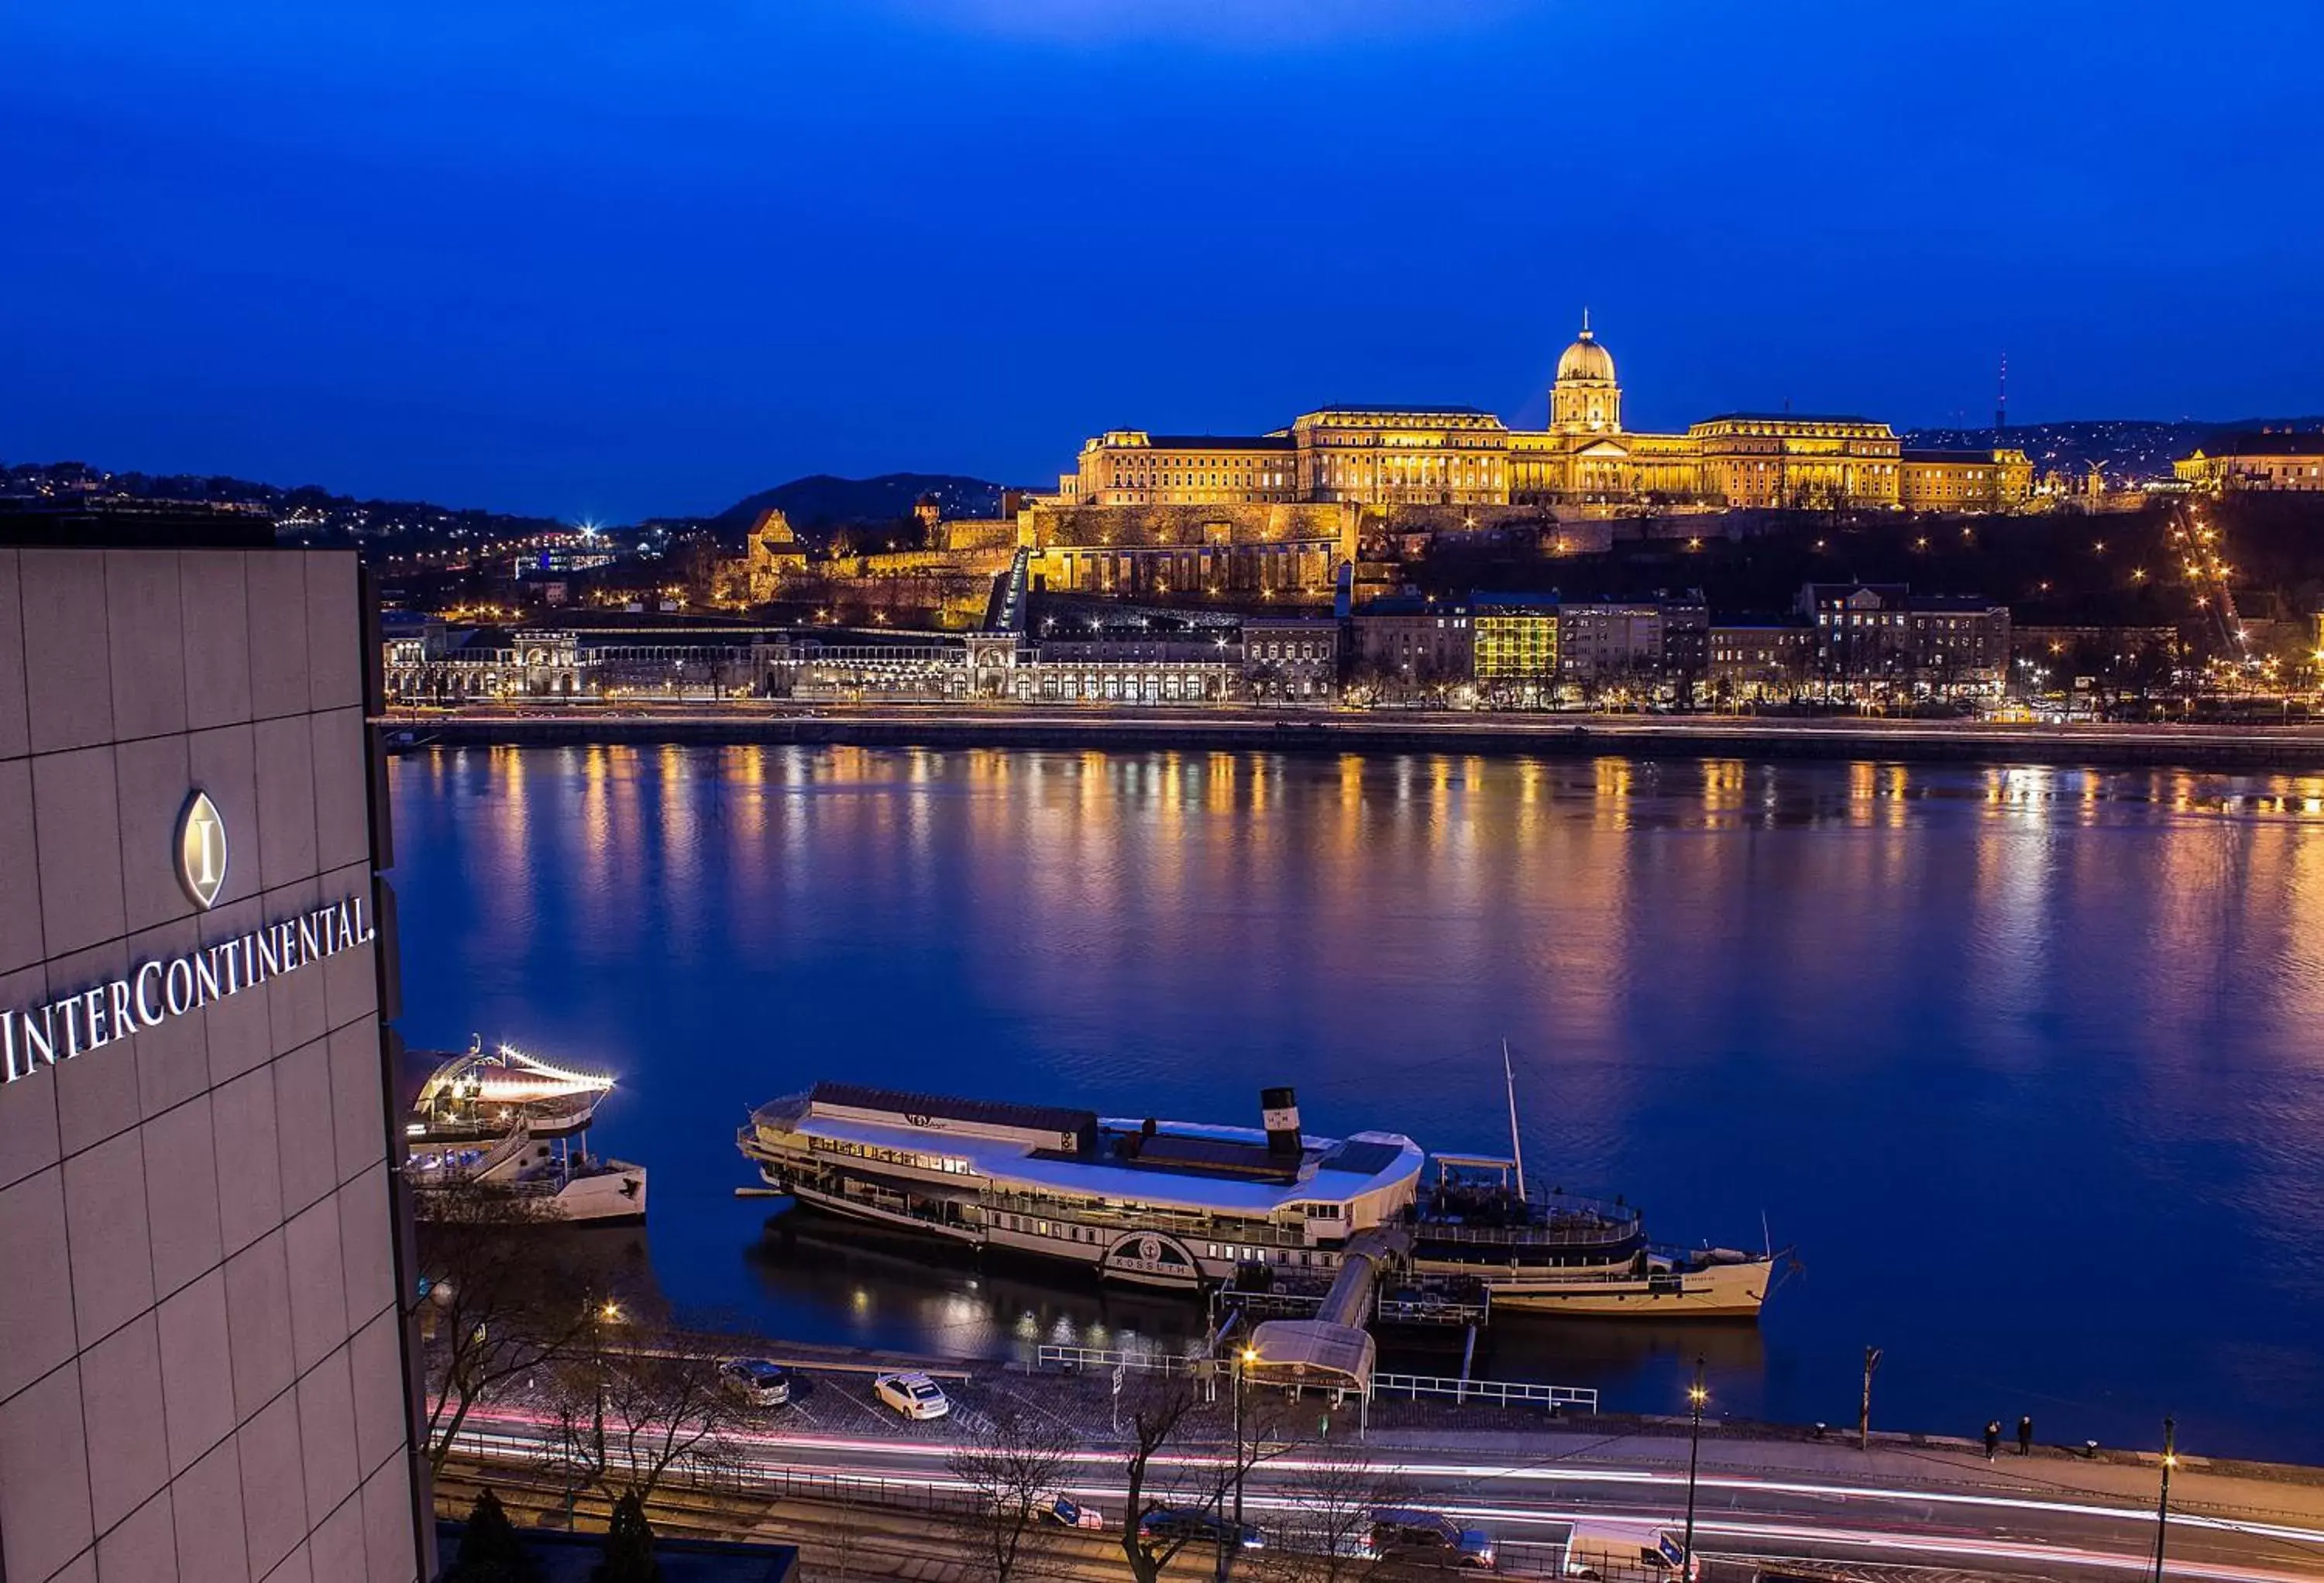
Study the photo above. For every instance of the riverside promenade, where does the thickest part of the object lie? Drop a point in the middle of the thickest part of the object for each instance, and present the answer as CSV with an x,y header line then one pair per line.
x,y
2287,748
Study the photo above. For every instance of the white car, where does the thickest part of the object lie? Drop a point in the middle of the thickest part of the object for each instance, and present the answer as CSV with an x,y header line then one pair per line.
x,y
914,1396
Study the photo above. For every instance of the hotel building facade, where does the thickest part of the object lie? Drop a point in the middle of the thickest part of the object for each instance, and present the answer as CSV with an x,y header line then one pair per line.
x,y
205,1373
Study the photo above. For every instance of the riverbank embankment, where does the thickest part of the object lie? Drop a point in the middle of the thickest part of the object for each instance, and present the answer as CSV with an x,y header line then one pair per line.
x,y
2245,748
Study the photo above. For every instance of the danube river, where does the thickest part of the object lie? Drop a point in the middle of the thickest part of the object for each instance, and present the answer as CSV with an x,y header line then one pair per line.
x,y
2028,1064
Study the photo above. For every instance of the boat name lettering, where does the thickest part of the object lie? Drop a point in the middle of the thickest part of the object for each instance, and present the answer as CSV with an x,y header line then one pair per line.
x,y
154,991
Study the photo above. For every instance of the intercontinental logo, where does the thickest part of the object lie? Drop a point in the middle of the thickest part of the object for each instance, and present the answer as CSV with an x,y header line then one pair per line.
x,y
154,991
201,850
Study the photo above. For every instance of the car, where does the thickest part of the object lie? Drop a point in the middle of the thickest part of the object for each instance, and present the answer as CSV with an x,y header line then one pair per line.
x,y
1055,1506
1165,1523
913,1394
756,1381
1407,1534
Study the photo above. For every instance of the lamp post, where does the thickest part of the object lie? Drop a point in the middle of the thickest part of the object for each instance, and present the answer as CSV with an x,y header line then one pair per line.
x,y
1695,1397
2162,1504
1231,1537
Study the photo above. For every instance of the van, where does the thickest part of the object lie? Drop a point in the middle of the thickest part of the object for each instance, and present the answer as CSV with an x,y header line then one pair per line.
x,y
1614,1548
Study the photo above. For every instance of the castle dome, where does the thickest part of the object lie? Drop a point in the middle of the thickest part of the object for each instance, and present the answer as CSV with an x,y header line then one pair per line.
x,y
1586,359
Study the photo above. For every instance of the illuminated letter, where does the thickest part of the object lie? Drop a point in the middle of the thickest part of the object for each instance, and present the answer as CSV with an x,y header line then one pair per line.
x,y
150,1017
40,1039
309,947
8,1039
99,1033
206,981
270,955
179,981
125,1021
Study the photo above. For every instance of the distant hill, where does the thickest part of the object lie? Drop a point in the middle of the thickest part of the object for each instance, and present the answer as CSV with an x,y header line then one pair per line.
x,y
2129,448
820,502
304,514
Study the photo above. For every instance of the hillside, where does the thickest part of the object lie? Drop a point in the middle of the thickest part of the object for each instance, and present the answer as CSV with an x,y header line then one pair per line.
x,y
819,502
2131,449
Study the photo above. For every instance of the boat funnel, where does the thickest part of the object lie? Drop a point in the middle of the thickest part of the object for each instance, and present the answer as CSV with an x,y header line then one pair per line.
x,y
1279,1114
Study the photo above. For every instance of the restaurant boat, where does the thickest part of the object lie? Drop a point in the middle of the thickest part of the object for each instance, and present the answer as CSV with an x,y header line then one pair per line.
x,y
1149,1202
501,1121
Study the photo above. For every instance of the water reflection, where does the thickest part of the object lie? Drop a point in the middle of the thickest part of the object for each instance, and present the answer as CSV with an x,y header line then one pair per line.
x,y
2023,1059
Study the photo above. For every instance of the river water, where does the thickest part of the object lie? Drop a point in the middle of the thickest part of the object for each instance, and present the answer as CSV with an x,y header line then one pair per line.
x,y
2026,1064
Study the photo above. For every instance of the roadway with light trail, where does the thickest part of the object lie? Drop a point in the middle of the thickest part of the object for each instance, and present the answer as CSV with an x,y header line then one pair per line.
x,y
2017,1527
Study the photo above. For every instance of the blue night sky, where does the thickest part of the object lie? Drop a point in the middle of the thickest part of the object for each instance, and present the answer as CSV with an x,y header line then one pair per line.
x,y
620,257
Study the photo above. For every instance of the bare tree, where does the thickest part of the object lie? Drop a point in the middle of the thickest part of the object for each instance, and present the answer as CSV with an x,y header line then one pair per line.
x,y
635,1401
499,1305
1324,1533
1157,1408
1013,1464
1159,1411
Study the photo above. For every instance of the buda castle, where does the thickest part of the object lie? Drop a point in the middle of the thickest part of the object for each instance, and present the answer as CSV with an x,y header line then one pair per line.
x,y
1392,457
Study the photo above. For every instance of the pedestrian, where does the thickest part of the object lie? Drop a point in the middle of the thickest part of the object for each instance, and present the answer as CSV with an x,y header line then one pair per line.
x,y
1992,1438
2025,1435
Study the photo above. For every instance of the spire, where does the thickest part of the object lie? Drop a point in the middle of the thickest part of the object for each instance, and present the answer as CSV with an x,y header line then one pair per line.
x,y
1585,324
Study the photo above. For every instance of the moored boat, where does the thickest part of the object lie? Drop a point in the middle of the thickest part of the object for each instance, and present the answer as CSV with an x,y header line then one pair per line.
x,y
1558,1253
508,1125
1175,1205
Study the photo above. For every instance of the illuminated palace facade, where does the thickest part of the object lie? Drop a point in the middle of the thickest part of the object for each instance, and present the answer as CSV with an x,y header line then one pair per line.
x,y
1464,458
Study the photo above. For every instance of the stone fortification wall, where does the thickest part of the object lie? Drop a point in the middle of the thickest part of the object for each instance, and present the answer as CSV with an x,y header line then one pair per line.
x,y
1161,527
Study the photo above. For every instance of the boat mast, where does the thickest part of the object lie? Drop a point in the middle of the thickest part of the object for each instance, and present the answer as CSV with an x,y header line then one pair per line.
x,y
1517,1149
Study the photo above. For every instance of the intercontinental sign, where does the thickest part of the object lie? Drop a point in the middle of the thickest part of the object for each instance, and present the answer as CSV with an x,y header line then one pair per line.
x,y
155,991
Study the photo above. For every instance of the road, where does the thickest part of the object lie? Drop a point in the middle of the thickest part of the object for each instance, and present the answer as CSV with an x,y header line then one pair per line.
x,y
2050,1516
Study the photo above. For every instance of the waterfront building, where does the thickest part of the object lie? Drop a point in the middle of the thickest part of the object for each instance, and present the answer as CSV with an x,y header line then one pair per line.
x,y
1636,643
2265,461
205,1373
1755,661
1515,646
1405,637
1882,637
1186,669
1291,659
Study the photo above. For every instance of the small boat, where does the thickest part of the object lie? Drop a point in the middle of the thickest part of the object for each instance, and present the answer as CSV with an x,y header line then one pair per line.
x,y
506,1123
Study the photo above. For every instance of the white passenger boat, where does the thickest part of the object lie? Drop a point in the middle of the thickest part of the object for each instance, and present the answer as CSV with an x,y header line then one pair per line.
x,y
1150,1202
508,1123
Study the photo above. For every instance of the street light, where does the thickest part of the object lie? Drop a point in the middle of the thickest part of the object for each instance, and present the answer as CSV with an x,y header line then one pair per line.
x,y
1243,1362
1695,1397
2162,1504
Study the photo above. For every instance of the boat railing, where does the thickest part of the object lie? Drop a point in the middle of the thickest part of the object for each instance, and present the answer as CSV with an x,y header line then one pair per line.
x,y
1571,1236
1257,1233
